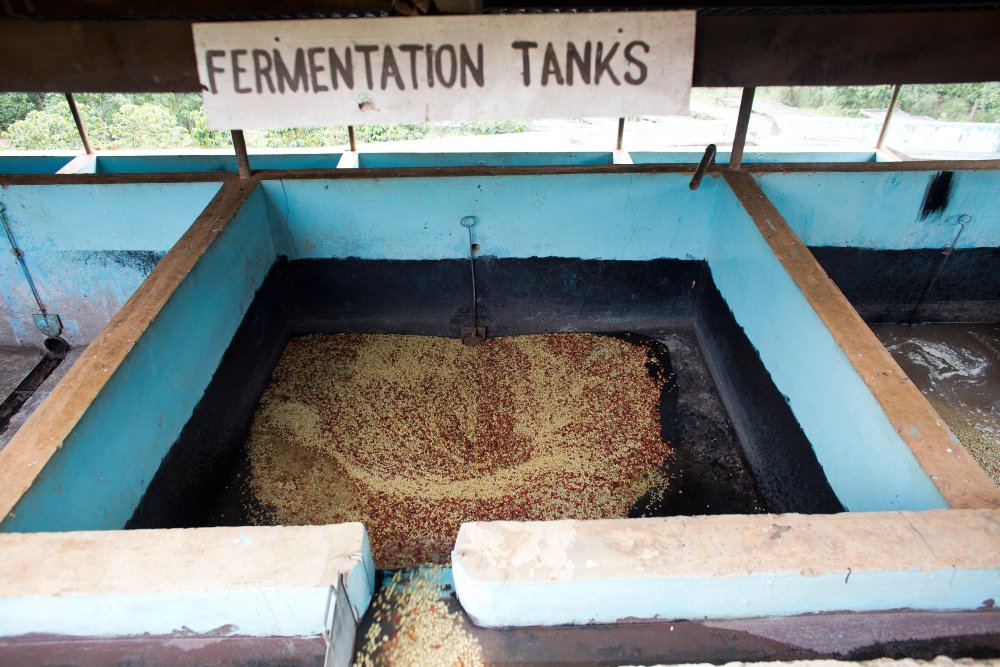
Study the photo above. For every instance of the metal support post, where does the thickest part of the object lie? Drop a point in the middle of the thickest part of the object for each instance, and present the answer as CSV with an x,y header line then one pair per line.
x,y
742,124
242,159
79,124
888,116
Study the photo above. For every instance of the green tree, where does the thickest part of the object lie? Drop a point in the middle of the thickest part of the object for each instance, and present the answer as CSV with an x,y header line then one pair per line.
x,y
204,136
17,106
146,126
43,129
301,137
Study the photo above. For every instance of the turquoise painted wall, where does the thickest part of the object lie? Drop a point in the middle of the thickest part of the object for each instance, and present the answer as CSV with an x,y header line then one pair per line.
x,y
752,157
492,159
609,216
883,210
88,247
98,476
133,164
868,465
33,164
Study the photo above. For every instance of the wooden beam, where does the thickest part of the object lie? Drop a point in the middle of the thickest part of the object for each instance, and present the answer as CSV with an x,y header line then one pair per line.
x,y
847,49
747,49
43,433
107,179
621,165
951,468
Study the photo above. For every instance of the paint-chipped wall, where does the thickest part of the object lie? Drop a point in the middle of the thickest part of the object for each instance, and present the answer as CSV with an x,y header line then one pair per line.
x,y
87,247
900,210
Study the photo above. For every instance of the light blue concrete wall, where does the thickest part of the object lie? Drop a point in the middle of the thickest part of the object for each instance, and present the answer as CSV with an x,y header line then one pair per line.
x,y
492,159
883,210
606,216
752,157
868,465
98,476
140,164
133,164
88,247
33,164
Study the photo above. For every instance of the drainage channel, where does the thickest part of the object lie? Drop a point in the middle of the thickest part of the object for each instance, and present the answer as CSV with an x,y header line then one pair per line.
x,y
56,350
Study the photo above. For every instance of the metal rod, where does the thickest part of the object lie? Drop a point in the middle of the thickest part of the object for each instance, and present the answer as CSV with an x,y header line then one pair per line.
x,y
350,138
699,173
963,220
79,124
888,116
742,124
621,134
472,269
19,254
242,159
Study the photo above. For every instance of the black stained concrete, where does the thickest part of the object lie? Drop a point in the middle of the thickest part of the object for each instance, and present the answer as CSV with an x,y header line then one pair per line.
x,y
886,285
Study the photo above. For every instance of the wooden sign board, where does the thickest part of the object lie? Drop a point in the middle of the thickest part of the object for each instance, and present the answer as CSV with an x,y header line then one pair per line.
x,y
387,70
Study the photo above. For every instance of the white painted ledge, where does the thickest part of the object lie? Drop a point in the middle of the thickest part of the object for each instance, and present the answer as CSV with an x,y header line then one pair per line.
x,y
348,160
81,164
621,157
253,581
573,572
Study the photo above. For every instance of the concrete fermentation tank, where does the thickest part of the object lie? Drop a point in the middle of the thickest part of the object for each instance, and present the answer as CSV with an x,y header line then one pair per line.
x,y
789,420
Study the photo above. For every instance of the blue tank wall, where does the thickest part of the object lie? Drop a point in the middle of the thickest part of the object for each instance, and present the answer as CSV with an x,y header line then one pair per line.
x,y
88,247
98,476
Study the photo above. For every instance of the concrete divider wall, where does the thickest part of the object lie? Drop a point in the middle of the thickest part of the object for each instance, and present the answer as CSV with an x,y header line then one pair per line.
x,y
867,464
96,478
208,582
88,247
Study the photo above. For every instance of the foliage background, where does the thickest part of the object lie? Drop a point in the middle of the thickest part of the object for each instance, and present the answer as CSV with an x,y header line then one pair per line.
x,y
167,120
31,121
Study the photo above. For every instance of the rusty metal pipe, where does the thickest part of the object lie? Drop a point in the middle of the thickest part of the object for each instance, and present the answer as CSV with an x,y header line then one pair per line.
x,y
80,127
888,116
242,158
742,125
706,160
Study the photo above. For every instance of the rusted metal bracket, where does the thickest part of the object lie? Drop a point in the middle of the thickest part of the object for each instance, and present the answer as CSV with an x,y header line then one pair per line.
x,y
340,626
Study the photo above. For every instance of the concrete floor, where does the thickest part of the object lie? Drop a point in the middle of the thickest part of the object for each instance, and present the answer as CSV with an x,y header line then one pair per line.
x,y
17,362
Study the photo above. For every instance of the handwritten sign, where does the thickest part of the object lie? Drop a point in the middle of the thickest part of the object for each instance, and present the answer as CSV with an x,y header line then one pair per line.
x,y
357,71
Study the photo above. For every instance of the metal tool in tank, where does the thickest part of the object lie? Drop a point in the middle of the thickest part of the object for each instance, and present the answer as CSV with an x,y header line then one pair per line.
x,y
475,334
962,221
48,323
